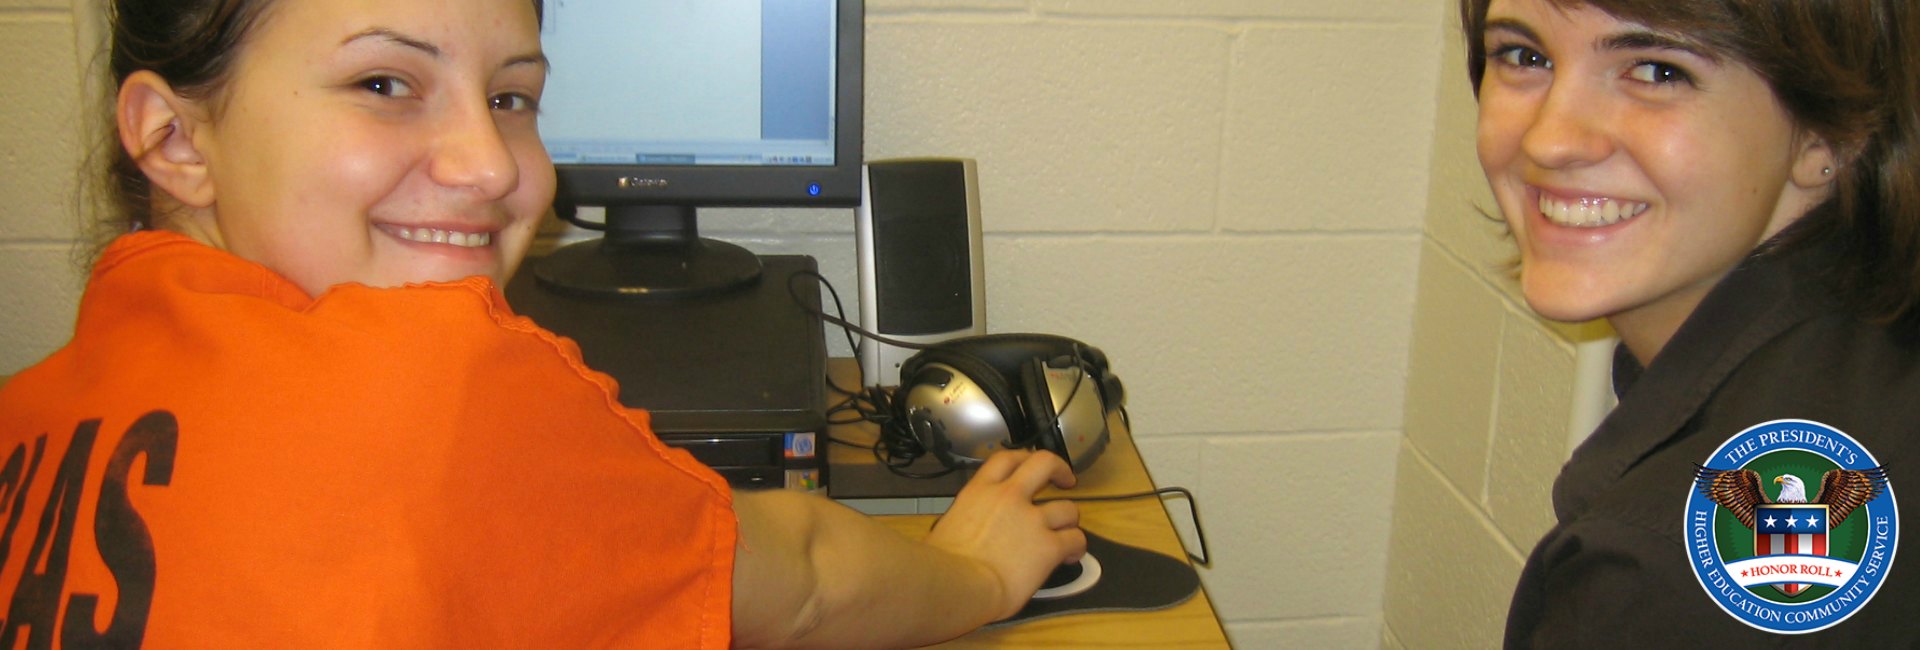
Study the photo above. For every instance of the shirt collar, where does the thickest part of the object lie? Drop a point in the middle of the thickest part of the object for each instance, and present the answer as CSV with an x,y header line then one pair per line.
x,y
1763,297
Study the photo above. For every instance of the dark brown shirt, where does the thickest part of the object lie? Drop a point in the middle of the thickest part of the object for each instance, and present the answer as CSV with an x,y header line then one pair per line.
x,y
1769,343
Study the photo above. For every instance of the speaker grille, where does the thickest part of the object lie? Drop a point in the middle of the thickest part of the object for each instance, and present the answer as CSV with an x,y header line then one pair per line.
x,y
921,261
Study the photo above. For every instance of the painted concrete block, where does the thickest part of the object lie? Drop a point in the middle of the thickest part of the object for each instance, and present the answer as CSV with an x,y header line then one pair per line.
x,y
1332,633
1077,128
1298,523
40,129
1530,430
1450,574
1421,12
882,6
1268,334
1452,370
1329,128
43,291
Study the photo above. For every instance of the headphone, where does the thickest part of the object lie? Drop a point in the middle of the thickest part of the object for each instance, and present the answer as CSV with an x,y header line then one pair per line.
x,y
964,398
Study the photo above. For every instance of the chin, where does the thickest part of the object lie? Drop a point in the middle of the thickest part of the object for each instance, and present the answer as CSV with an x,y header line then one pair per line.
x,y
1564,313
1563,303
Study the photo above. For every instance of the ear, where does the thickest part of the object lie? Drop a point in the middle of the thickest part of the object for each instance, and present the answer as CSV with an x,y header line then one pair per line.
x,y
156,128
1815,163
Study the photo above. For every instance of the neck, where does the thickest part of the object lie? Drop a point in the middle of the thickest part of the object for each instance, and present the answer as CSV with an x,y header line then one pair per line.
x,y
172,216
1646,330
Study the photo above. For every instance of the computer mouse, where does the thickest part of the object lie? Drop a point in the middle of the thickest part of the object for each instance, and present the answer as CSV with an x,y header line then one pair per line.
x,y
1070,579
1062,575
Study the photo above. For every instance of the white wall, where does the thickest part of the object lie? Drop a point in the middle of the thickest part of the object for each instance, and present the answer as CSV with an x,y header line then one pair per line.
x,y
40,154
1227,198
1493,401
1225,195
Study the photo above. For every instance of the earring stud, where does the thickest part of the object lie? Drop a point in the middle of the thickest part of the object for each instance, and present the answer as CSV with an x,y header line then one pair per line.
x,y
1826,171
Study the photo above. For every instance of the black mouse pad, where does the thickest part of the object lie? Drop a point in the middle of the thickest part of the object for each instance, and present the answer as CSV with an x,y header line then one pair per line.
x,y
1132,579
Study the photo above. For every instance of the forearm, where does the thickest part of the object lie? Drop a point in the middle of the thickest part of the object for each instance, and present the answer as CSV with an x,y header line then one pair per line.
x,y
811,573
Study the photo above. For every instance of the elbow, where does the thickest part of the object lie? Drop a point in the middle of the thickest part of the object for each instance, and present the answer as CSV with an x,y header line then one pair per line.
x,y
811,616
798,627
786,598
828,599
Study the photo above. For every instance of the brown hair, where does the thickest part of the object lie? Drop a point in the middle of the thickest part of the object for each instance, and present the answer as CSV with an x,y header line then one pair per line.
x,y
1847,71
190,43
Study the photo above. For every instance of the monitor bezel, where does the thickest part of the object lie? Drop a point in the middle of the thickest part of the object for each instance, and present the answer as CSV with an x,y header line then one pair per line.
x,y
698,186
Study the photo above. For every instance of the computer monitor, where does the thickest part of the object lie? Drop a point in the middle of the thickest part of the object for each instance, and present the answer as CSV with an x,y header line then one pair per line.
x,y
656,108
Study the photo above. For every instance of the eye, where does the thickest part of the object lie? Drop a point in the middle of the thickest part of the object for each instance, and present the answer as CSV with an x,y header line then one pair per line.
x,y
386,86
512,102
1655,72
1520,56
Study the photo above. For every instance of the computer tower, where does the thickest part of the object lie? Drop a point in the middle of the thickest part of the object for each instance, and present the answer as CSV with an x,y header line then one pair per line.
x,y
736,378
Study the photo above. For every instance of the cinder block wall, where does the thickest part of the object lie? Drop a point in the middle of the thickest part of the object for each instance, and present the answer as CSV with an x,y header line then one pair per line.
x,y
1492,404
40,155
1226,195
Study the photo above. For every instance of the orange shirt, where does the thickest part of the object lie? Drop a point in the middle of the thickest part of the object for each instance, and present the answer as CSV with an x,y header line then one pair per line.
x,y
219,460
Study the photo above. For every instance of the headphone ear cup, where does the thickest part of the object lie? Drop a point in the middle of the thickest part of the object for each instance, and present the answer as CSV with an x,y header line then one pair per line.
x,y
931,434
1043,424
1113,394
941,403
1079,414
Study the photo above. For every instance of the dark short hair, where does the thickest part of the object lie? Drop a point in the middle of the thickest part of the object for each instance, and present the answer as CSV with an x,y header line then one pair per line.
x,y
1846,71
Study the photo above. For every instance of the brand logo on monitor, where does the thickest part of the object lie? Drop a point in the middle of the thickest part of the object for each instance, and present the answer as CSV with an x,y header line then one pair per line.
x,y
1791,526
637,183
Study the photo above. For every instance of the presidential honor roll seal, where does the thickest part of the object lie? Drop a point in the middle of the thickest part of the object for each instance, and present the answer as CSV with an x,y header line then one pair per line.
x,y
1791,526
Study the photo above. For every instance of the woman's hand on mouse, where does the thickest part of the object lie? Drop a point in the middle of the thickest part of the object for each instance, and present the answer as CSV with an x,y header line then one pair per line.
x,y
995,523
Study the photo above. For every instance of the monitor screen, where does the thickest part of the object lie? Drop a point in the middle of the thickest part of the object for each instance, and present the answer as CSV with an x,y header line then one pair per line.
x,y
656,108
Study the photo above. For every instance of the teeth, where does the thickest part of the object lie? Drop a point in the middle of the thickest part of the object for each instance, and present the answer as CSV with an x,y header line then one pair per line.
x,y
449,237
1589,213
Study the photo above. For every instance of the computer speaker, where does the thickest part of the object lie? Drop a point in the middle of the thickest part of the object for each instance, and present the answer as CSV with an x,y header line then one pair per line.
x,y
921,277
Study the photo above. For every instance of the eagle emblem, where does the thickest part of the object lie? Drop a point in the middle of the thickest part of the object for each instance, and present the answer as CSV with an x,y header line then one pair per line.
x,y
1841,490
1774,557
1791,524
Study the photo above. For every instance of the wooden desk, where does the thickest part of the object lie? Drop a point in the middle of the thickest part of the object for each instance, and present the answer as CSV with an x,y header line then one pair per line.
x,y
1135,522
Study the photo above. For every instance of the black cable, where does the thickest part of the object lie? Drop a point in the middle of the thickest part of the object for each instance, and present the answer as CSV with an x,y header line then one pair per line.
x,y
1193,512
896,448
859,372
841,320
820,313
851,329
836,388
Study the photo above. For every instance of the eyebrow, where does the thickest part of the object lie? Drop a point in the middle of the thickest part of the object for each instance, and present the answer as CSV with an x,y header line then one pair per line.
x,y
1642,39
396,37
536,57
1518,28
1633,39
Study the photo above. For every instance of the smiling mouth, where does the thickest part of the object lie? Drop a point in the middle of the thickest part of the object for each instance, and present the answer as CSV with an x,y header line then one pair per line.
x,y
1589,213
438,236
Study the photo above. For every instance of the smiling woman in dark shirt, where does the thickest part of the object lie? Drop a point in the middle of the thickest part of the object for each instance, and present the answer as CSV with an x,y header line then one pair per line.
x,y
1734,186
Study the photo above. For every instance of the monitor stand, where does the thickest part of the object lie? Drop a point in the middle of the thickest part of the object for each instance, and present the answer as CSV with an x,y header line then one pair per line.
x,y
646,252
736,377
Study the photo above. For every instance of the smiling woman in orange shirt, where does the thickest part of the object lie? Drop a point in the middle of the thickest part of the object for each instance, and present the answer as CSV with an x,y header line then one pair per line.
x,y
297,412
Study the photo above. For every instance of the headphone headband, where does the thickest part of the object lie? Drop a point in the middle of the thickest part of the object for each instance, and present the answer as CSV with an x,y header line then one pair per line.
x,y
1005,353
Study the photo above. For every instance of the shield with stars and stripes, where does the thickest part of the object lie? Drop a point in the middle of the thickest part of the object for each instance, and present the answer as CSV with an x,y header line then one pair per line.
x,y
1790,529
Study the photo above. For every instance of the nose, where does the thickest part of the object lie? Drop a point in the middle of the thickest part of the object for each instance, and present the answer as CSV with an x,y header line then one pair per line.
x,y
1569,129
471,153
